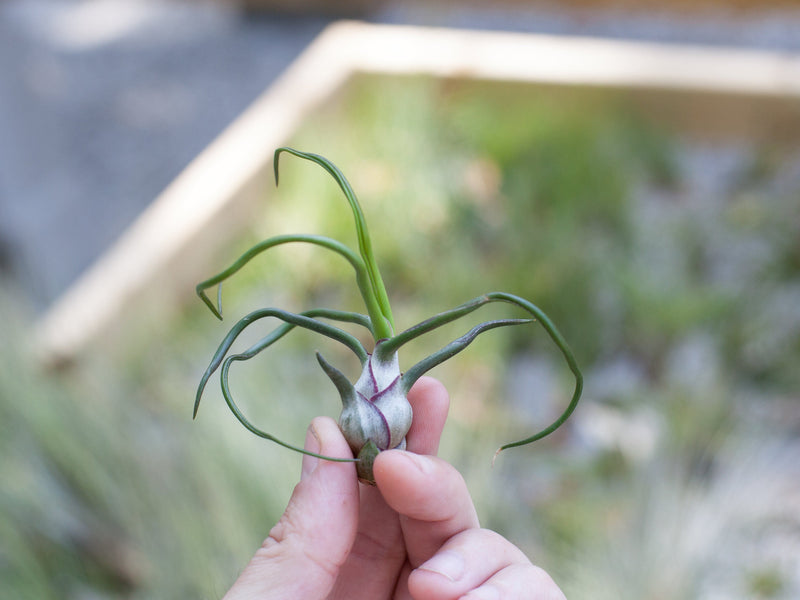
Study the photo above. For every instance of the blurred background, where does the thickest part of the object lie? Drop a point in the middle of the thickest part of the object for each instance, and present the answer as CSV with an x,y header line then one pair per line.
x,y
667,252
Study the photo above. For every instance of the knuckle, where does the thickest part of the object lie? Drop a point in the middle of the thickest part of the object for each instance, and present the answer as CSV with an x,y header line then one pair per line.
x,y
286,543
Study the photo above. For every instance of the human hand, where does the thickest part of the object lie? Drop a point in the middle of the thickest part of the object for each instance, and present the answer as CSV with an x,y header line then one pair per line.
x,y
413,537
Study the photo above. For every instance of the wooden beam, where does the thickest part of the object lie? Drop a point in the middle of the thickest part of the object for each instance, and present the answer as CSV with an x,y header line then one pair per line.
x,y
222,180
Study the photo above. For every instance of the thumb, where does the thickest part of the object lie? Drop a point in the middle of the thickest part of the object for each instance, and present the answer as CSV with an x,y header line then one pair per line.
x,y
303,553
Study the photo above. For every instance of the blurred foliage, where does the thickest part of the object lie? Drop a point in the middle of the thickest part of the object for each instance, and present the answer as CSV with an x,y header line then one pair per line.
x,y
110,491
671,266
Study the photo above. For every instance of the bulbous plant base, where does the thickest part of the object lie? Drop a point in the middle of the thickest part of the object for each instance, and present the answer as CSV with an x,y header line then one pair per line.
x,y
366,458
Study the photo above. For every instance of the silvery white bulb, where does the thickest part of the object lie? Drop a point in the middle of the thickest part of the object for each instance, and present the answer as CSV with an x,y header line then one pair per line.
x,y
375,411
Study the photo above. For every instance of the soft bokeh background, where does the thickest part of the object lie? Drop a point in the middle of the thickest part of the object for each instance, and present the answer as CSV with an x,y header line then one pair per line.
x,y
670,262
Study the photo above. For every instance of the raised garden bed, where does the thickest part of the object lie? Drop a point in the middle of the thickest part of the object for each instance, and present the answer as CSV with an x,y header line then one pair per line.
x,y
695,90
645,196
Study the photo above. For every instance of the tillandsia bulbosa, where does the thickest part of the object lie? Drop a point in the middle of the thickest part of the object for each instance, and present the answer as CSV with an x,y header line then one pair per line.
x,y
376,414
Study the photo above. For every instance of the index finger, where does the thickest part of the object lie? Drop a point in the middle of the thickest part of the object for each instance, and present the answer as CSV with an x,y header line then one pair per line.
x,y
431,497
430,401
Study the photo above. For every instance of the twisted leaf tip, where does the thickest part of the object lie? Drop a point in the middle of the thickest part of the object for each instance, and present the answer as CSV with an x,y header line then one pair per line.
x,y
216,310
496,454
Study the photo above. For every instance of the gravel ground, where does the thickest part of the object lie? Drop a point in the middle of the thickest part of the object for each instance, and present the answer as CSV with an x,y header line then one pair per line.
x,y
103,102
96,121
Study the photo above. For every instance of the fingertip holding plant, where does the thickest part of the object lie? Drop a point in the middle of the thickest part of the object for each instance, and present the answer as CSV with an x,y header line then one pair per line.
x,y
376,414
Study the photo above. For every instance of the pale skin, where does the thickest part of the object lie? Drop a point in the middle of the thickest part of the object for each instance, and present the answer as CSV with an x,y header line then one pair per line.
x,y
415,536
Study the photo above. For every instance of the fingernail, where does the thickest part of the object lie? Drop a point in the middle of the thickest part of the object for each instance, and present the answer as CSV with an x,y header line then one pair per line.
x,y
449,564
312,444
423,463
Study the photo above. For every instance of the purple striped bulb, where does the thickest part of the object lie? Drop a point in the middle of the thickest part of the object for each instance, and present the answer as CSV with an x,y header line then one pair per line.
x,y
376,414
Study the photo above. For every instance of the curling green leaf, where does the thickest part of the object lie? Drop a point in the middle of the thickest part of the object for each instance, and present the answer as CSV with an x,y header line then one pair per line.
x,y
362,277
453,348
384,326
252,428
300,320
446,317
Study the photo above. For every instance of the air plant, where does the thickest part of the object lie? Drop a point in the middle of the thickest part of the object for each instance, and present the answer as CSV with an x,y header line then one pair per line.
x,y
376,414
